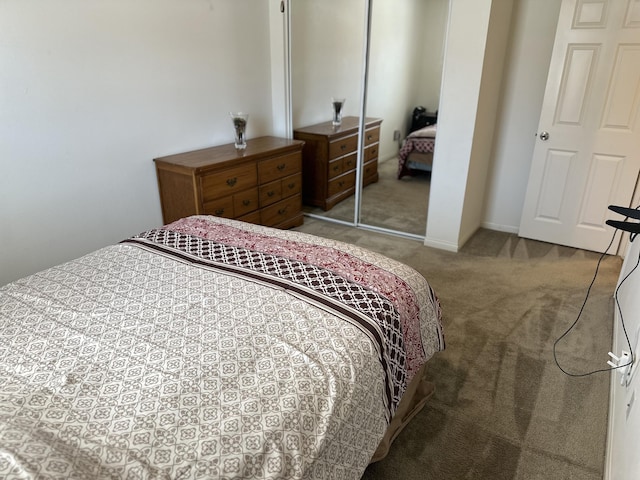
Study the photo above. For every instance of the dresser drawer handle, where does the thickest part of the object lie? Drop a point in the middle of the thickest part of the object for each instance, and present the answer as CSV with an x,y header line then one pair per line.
x,y
340,184
281,166
291,185
232,181
369,137
374,151
246,203
282,211
343,147
219,211
271,193
336,168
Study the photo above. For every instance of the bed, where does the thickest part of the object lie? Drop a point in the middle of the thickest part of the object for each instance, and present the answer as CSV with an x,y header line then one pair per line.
x,y
416,152
212,348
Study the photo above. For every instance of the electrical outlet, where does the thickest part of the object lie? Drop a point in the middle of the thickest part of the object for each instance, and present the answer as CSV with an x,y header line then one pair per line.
x,y
396,134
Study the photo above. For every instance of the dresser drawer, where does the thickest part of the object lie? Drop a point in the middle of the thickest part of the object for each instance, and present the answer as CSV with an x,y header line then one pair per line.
x,y
342,183
275,191
234,205
245,202
342,165
335,167
222,207
229,181
270,193
349,163
371,136
370,169
278,167
343,146
292,185
371,153
281,211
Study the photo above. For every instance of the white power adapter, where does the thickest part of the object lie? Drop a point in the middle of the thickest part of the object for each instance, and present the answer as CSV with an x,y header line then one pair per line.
x,y
621,364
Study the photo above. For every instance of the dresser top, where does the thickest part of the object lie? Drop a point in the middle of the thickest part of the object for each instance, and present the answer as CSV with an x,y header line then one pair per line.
x,y
349,125
211,156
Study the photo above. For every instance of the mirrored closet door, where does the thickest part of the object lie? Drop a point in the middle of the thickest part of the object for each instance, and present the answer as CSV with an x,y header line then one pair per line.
x,y
404,73
405,48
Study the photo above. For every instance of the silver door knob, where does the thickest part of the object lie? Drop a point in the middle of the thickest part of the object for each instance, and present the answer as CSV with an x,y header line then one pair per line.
x,y
544,136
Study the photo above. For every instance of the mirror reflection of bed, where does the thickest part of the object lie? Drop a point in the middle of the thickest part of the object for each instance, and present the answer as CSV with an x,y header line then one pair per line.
x,y
400,200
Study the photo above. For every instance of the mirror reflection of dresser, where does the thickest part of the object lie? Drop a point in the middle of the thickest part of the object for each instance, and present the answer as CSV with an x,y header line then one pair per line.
x,y
329,160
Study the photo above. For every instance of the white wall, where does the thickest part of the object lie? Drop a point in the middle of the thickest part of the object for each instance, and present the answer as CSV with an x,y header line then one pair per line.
x,y
92,90
623,461
533,33
490,95
467,35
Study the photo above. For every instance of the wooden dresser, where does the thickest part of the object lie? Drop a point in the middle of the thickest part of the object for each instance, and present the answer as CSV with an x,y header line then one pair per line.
x,y
329,160
261,184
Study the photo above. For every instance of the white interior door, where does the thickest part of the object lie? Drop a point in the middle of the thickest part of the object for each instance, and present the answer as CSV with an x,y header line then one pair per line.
x,y
587,154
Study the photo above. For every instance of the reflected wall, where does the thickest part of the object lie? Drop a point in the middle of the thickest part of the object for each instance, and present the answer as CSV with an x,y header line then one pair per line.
x,y
327,45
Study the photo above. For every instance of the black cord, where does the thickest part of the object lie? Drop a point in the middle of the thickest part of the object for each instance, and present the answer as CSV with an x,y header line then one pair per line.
x,y
624,329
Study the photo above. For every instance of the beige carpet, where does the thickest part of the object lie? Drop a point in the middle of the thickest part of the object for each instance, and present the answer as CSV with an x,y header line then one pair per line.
x,y
392,203
502,409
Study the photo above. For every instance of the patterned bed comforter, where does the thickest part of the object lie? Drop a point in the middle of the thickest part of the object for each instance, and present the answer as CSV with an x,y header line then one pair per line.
x,y
209,349
420,141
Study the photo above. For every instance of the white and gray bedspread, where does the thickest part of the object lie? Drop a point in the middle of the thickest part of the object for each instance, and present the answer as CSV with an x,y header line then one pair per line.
x,y
209,348
422,141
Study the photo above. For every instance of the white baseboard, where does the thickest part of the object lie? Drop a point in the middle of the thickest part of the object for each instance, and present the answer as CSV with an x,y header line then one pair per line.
x,y
500,228
450,247
612,401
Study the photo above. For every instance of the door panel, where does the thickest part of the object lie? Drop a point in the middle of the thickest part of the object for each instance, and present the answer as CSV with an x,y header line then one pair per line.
x,y
605,170
555,178
591,155
619,111
577,81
